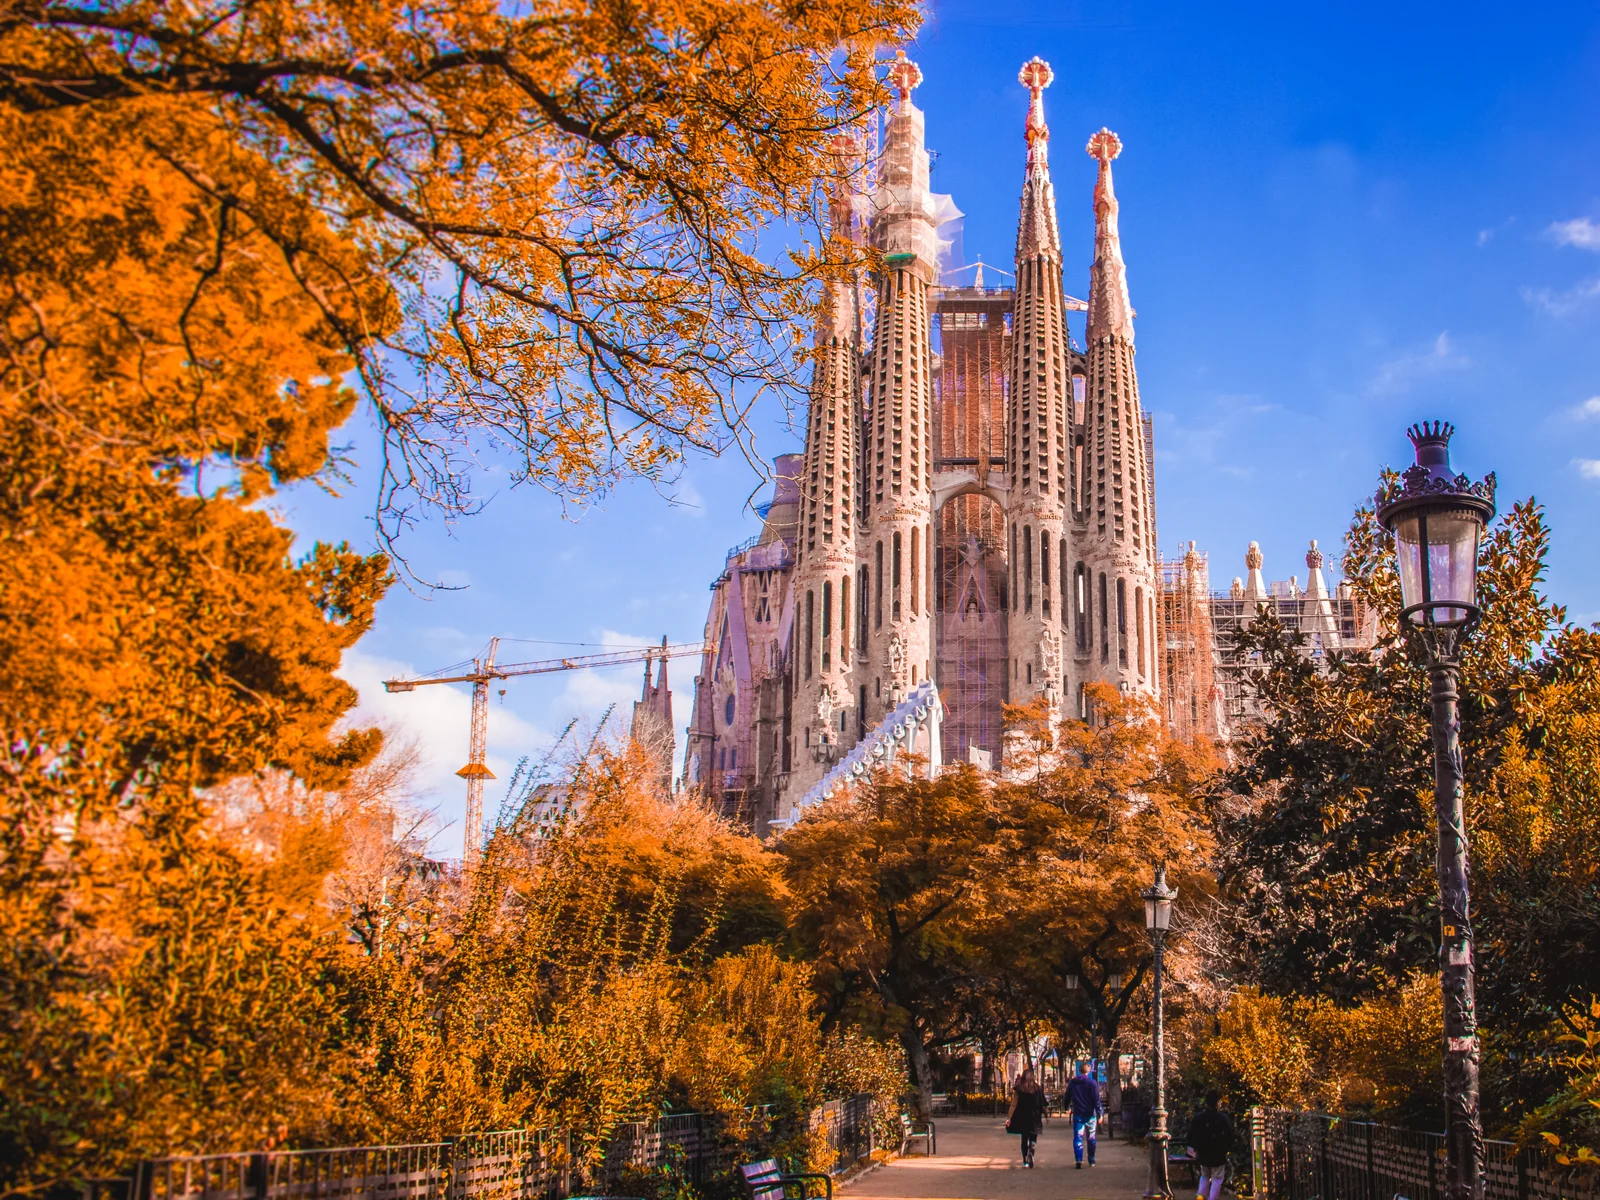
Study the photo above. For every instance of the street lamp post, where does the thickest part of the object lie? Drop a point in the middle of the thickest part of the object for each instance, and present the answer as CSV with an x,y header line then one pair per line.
x,y
1158,900
1437,518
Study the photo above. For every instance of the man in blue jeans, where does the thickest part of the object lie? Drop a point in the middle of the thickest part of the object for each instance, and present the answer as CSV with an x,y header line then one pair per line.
x,y
1083,1097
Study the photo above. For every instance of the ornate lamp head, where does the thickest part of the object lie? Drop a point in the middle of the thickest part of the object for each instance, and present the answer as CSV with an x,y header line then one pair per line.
x,y
1158,898
1437,518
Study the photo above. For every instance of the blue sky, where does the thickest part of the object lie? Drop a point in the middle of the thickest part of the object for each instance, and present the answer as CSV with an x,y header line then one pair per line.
x,y
1337,219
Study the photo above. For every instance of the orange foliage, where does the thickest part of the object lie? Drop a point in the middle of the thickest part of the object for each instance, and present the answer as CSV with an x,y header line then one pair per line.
x,y
537,224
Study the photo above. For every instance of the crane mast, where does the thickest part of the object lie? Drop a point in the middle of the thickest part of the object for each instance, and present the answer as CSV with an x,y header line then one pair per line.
x,y
486,669
477,770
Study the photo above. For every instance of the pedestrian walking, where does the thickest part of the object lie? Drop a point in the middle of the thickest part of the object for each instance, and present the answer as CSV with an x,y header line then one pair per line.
x,y
1211,1138
1026,1118
1083,1099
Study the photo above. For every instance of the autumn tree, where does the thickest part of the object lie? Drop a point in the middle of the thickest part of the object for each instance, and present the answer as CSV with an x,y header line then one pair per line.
x,y
592,971
1328,869
1110,799
219,226
541,229
954,909
886,887
1377,1059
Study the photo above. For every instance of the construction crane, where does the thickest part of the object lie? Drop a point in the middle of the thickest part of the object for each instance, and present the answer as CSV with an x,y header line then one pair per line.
x,y
486,668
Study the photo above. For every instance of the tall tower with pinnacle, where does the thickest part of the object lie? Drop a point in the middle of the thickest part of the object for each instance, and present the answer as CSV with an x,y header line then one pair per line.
x,y
897,471
826,584
1120,561
974,508
1037,421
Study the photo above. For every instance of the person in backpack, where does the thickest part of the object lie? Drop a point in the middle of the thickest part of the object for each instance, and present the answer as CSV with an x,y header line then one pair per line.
x,y
1026,1118
1083,1098
1211,1138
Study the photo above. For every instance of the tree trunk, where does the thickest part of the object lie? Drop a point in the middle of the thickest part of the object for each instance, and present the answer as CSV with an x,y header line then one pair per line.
x,y
921,1069
986,1076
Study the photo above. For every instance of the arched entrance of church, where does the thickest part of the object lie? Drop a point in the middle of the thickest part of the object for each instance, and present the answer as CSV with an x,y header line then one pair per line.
x,y
970,625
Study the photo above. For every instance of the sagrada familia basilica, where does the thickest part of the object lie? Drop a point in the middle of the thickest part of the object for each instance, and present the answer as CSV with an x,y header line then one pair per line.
x,y
972,521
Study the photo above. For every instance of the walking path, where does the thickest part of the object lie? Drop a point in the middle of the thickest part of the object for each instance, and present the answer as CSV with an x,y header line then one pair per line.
x,y
979,1160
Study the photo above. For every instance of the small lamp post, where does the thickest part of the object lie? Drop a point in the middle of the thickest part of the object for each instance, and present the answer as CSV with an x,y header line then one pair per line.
x,y
1437,519
1158,900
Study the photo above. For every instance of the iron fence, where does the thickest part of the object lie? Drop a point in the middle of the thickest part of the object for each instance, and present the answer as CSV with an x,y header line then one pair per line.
x,y
504,1165
515,1164
848,1126
1313,1156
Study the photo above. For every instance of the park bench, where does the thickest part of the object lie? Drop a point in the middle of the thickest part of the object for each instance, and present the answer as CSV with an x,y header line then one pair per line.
x,y
917,1131
765,1180
1182,1167
942,1103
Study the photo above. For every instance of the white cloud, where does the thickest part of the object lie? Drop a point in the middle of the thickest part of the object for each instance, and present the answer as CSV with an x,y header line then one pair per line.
x,y
592,689
1404,370
1588,410
1563,304
1580,232
439,718
1589,468
1484,235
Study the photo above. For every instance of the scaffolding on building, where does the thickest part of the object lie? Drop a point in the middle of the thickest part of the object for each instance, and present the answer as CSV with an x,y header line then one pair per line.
x,y
1193,703
969,405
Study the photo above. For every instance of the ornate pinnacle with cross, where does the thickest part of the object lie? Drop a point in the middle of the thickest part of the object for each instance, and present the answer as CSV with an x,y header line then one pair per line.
x,y
1104,146
903,76
1036,75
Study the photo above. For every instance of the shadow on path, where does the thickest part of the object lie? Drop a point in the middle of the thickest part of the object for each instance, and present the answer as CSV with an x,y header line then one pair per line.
x,y
979,1160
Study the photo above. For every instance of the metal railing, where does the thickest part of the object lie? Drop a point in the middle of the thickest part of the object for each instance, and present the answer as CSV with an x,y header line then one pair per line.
x,y
1313,1156
515,1164
848,1125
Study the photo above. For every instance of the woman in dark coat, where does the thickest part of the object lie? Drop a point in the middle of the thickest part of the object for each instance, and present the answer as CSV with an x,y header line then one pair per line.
x,y
1027,1114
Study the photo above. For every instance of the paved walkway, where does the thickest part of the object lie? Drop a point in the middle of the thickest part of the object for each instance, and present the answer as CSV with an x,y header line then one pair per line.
x,y
979,1160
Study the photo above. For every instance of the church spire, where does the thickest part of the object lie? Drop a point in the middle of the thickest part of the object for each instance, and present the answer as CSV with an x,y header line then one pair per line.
x,y
838,320
1037,408
1110,311
1037,232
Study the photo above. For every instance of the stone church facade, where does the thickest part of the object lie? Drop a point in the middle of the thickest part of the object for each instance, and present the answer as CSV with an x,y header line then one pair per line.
x,y
972,520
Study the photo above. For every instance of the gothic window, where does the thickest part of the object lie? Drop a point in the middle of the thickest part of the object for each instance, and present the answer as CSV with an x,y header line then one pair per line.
x,y
1080,605
877,588
1044,573
1122,622
915,575
844,614
863,591
1066,588
1013,568
1105,621
894,579
1138,623
1027,568
810,630
827,621
727,711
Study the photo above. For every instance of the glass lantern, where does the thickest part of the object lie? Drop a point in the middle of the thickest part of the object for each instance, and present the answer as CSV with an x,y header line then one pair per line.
x,y
1158,903
1437,518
